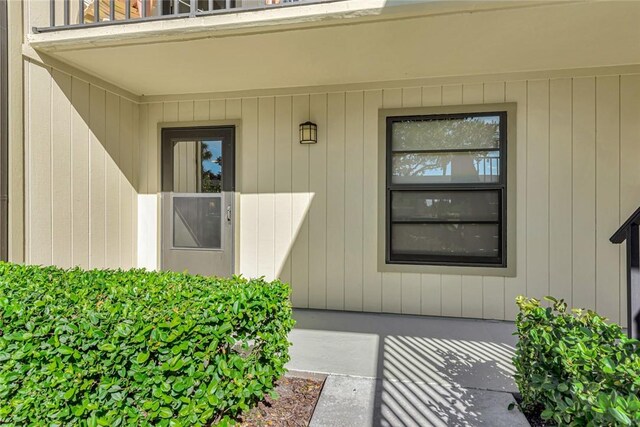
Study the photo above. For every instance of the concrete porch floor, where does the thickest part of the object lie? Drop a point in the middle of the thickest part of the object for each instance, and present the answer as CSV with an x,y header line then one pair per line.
x,y
402,370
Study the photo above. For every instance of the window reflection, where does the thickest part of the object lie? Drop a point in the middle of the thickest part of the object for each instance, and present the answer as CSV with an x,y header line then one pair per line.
x,y
447,134
446,239
197,167
411,168
445,205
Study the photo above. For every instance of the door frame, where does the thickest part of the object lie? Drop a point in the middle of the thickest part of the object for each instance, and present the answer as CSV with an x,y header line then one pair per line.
x,y
237,150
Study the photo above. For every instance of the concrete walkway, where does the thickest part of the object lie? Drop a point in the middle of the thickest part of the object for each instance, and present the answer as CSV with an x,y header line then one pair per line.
x,y
401,370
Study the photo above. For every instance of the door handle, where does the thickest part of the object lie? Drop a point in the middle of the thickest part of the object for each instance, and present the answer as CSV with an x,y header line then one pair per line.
x,y
229,213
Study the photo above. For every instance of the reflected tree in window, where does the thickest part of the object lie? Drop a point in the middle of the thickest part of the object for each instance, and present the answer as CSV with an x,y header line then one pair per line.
x,y
464,148
211,167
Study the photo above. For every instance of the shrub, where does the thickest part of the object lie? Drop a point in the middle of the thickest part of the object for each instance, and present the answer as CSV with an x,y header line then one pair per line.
x,y
134,347
575,367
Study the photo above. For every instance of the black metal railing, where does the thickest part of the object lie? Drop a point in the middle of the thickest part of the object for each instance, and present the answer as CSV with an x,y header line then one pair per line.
x,y
68,14
630,232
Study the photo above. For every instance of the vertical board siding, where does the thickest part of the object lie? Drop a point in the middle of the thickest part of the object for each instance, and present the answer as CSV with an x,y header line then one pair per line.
x,y
335,179
537,177
607,195
282,187
97,177
318,207
266,187
560,189
308,214
249,199
217,109
61,169
515,286
300,208
80,173
126,183
493,287
584,192
354,200
113,197
39,190
80,186
143,149
201,110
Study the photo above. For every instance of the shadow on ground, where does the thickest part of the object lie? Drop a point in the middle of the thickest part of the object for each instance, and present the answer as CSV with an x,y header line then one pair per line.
x,y
422,371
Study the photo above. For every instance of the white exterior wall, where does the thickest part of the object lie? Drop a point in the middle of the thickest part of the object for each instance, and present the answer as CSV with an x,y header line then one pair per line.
x,y
308,213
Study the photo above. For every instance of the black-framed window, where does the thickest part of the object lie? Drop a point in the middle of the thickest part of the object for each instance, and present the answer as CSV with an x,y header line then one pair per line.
x,y
446,189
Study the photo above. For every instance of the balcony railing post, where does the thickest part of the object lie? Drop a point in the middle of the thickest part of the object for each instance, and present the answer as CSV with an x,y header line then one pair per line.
x,y
176,7
66,12
96,11
112,10
192,7
80,11
144,9
127,9
52,12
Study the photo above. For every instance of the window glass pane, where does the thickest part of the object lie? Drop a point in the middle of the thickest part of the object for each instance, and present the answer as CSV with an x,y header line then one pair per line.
x,y
445,205
197,222
447,134
197,167
455,167
445,239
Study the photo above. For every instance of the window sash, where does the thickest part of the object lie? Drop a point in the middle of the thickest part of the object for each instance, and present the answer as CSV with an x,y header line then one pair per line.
x,y
405,213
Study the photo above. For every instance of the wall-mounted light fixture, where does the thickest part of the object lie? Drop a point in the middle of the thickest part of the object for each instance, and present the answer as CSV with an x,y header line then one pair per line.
x,y
308,133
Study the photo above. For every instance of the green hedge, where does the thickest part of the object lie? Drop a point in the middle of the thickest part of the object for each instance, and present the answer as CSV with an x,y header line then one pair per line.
x,y
114,348
574,367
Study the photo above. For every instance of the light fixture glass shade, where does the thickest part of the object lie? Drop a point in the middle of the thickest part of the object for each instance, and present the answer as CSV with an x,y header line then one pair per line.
x,y
308,133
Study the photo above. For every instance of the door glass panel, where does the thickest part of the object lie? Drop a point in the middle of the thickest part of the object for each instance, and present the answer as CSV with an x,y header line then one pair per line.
x,y
446,167
445,206
446,239
197,222
447,134
197,167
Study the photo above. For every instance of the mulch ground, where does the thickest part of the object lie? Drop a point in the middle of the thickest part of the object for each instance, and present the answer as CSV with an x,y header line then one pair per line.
x,y
533,415
294,407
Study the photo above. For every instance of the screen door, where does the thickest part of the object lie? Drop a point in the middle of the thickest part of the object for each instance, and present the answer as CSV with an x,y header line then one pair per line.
x,y
198,200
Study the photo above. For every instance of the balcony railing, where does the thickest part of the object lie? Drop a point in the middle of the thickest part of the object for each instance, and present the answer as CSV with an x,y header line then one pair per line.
x,y
69,14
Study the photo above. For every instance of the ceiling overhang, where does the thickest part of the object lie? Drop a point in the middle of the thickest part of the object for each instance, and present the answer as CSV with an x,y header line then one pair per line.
x,y
313,45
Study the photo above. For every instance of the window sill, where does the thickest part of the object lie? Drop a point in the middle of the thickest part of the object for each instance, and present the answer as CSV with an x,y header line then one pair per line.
x,y
497,271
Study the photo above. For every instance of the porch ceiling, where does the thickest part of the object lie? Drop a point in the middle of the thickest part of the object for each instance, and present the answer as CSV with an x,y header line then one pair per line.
x,y
559,36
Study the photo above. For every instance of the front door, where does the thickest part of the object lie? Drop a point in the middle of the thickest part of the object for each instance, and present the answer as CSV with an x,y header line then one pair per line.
x,y
198,200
